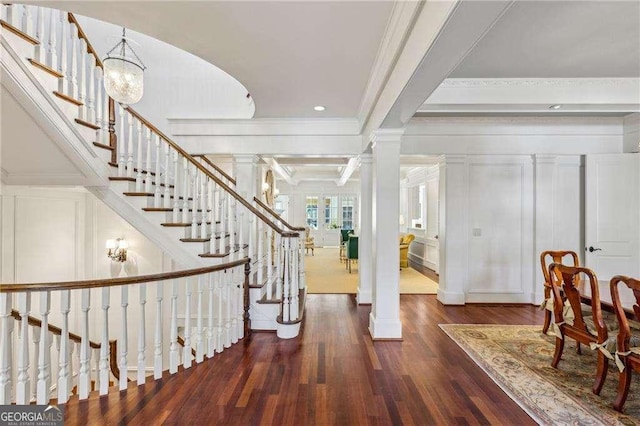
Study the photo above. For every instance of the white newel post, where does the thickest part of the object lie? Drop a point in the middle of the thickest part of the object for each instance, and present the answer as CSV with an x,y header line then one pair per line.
x,y
384,320
365,241
23,384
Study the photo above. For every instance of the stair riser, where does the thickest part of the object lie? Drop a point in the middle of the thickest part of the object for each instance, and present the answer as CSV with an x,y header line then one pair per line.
x,y
48,81
23,48
70,111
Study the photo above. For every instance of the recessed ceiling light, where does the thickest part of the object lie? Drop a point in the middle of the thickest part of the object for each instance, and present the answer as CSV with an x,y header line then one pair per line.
x,y
556,106
319,108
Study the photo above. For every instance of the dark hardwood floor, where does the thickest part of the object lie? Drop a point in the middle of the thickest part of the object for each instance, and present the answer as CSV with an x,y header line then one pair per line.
x,y
332,374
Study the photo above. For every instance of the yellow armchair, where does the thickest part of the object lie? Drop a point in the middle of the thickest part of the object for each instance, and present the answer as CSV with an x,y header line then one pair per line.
x,y
405,241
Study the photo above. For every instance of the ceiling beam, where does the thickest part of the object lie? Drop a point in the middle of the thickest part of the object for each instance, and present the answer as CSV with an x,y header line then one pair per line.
x,y
284,174
352,165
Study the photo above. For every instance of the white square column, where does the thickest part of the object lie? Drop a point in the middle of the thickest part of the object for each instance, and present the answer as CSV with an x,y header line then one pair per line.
x,y
365,244
384,321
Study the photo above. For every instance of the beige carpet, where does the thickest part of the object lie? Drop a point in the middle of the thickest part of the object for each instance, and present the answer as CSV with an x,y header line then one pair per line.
x,y
326,274
518,359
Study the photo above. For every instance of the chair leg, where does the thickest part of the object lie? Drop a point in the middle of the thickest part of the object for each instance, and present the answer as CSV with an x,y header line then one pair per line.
x,y
601,373
547,313
623,388
558,354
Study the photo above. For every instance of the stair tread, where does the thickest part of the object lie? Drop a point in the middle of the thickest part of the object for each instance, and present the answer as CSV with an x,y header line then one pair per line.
x,y
302,296
195,240
86,124
227,253
103,146
132,179
7,26
168,209
112,164
181,224
45,68
67,98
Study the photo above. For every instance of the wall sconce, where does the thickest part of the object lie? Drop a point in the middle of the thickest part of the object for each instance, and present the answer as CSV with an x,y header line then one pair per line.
x,y
265,186
117,249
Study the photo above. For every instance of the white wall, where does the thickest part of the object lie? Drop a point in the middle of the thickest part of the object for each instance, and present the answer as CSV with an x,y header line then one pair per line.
x,y
631,126
510,187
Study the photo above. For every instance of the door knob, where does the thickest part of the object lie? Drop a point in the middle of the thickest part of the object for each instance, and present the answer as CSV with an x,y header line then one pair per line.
x,y
591,249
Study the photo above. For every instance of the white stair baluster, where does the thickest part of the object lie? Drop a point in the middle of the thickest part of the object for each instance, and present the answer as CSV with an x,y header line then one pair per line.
x,y
139,158
104,344
234,306
23,385
166,201
40,52
194,204
211,345
130,167
44,356
123,343
185,190
224,223
157,341
220,313
11,14
52,56
200,321
260,245
142,336
64,41
232,225
295,286
122,143
147,185
91,97
27,20
173,330
35,335
84,377
100,122
279,259
65,371
82,109
227,308
240,300
186,355
177,187
269,260
202,200
72,74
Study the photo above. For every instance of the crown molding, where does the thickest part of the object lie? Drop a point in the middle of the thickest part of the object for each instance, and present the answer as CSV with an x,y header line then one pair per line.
x,y
511,82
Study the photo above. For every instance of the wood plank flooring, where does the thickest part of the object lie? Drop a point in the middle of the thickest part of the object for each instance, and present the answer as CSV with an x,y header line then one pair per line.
x,y
332,374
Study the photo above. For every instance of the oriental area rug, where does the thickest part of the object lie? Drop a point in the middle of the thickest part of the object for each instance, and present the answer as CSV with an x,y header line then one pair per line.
x,y
518,359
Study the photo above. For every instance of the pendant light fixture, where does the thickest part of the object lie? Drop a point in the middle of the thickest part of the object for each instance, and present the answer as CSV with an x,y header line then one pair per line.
x,y
123,73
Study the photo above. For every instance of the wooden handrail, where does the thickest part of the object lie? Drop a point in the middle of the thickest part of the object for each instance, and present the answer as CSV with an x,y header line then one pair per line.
x,y
275,214
218,169
217,180
35,322
111,282
81,34
180,341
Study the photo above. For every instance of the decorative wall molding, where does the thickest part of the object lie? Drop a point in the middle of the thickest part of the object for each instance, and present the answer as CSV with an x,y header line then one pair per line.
x,y
547,82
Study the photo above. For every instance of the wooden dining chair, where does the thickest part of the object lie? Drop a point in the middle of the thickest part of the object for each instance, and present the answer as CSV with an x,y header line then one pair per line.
x,y
547,258
570,321
628,340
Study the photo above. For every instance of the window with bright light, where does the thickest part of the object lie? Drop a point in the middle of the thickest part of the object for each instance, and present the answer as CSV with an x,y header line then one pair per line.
x,y
348,203
312,212
331,212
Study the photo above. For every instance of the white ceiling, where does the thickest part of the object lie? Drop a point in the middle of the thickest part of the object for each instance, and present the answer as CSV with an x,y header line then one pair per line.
x,y
291,56
559,39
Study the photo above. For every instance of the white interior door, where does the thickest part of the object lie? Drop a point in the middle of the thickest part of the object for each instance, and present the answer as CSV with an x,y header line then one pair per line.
x,y
612,235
